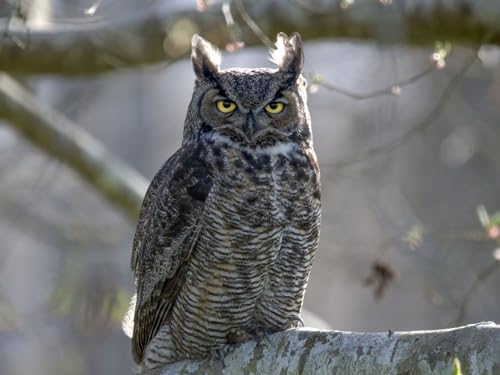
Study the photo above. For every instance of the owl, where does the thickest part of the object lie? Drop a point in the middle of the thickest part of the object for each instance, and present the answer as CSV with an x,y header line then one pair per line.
x,y
230,224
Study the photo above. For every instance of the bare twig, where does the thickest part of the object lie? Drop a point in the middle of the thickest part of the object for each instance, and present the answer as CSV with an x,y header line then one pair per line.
x,y
392,89
481,278
18,13
420,127
233,27
253,25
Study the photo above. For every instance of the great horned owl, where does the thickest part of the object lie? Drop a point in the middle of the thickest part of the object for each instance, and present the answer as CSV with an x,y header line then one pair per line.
x,y
230,224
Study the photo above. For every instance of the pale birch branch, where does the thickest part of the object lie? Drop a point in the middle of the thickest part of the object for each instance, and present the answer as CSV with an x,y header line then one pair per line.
x,y
82,48
58,136
312,352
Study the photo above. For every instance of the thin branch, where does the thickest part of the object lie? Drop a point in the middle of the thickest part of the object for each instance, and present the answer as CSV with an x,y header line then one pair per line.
x,y
253,25
17,14
61,138
392,89
226,11
469,235
481,278
420,127
233,28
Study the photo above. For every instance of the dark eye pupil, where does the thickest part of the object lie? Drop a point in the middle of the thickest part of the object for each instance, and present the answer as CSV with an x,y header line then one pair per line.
x,y
226,103
273,105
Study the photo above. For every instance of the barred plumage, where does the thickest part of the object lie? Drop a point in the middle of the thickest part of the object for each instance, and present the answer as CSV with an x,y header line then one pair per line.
x,y
229,226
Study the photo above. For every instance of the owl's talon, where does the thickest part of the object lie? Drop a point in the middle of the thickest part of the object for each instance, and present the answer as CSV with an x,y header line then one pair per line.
x,y
299,320
237,335
261,333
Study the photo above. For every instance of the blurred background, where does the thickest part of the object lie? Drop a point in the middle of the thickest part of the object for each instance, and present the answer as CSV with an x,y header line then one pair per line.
x,y
406,121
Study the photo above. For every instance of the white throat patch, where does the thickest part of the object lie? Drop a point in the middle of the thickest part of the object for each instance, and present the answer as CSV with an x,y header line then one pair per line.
x,y
281,148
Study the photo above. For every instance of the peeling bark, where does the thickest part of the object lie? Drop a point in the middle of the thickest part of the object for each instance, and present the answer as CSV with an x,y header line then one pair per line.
x,y
307,351
147,38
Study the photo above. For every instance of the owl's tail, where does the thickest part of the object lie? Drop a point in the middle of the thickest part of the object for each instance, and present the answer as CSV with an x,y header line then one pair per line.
x,y
128,319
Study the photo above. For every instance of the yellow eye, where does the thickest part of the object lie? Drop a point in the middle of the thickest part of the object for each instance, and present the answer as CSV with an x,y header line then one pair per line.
x,y
225,106
274,107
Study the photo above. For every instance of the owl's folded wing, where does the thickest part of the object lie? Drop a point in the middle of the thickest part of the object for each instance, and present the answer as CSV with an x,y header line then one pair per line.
x,y
167,231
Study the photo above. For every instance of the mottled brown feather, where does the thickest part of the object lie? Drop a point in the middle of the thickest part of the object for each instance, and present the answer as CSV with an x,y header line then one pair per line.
x,y
166,233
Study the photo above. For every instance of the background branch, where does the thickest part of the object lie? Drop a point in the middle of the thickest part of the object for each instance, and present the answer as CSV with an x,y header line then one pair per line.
x,y
306,351
416,129
393,89
151,37
60,137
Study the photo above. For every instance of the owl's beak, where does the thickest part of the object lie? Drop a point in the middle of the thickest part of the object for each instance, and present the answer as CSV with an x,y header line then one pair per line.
x,y
249,127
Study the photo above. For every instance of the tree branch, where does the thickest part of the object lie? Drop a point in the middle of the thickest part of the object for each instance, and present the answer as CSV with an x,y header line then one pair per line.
x,y
394,89
59,137
93,47
306,351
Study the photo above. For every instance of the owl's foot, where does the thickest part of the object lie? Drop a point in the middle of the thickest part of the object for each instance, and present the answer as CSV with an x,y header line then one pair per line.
x,y
296,321
261,333
237,335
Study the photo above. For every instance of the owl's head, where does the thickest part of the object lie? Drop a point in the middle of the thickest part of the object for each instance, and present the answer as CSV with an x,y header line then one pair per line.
x,y
249,107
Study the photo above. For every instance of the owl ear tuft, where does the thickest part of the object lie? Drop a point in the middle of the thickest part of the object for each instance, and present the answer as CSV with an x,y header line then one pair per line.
x,y
289,56
206,58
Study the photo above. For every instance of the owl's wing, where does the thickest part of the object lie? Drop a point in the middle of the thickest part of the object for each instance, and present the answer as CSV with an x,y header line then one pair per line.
x,y
167,231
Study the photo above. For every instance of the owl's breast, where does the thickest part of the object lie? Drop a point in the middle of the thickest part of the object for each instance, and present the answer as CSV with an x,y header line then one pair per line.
x,y
265,185
254,199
